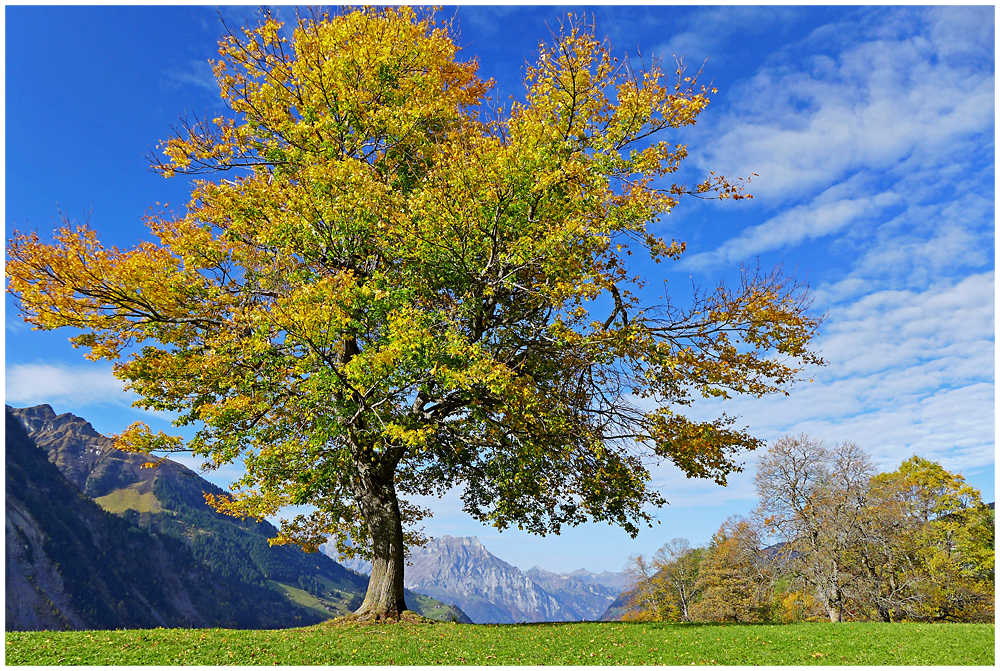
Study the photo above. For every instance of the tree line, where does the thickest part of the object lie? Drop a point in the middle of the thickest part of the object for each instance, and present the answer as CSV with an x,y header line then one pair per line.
x,y
832,539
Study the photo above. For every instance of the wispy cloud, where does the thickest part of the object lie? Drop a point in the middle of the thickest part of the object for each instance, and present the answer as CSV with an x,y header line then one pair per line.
x,y
703,33
14,323
487,19
34,383
910,372
841,206
196,73
930,241
885,99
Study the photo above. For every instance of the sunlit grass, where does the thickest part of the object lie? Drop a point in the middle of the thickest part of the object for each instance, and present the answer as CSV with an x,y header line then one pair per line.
x,y
604,643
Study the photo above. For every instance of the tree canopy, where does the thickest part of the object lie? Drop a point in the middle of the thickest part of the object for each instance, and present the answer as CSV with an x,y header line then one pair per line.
x,y
397,287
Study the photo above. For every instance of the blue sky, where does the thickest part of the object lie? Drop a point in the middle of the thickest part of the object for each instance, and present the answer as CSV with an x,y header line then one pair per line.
x,y
871,130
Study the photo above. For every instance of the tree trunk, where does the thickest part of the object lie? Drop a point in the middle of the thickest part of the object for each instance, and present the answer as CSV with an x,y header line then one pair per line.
x,y
836,605
380,508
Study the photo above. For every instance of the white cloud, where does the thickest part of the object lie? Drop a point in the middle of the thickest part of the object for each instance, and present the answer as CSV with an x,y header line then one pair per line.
x,y
486,19
931,240
703,33
880,102
910,372
885,148
14,323
683,492
890,329
34,383
839,207
963,33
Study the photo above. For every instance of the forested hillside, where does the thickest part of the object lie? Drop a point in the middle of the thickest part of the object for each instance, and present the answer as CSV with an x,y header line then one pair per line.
x,y
167,503
72,565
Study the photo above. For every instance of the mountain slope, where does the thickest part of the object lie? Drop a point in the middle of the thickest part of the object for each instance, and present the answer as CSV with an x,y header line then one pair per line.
x,y
613,581
617,608
585,594
168,500
71,565
463,571
488,589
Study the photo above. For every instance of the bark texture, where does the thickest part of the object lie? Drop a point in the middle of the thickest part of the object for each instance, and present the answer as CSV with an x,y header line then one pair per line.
x,y
380,507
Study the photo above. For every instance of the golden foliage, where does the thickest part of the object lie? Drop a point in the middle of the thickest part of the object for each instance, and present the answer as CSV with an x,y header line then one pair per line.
x,y
392,289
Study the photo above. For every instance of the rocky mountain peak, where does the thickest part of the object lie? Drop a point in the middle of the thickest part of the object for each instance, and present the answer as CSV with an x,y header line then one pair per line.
x,y
616,582
89,460
462,571
454,542
42,418
71,442
467,547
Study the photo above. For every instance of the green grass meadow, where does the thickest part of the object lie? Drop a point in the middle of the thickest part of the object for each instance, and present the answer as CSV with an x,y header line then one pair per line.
x,y
602,643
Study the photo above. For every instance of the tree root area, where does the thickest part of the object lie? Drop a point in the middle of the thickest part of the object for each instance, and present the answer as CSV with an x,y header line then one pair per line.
x,y
406,617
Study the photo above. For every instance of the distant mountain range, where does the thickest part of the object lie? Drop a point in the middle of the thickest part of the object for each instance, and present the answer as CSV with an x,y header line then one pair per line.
x,y
462,571
95,541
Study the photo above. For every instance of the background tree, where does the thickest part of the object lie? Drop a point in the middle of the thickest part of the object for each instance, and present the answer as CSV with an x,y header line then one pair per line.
x,y
887,553
813,499
735,579
665,588
679,565
792,603
647,600
933,554
390,290
913,544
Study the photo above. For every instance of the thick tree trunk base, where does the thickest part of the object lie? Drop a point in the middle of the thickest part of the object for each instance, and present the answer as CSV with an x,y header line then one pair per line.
x,y
362,615
384,599
405,617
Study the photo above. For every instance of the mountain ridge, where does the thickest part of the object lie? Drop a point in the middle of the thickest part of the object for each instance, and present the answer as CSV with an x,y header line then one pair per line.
x,y
484,586
71,565
461,570
168,502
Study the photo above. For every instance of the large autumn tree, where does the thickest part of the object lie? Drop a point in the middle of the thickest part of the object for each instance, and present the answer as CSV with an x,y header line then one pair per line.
x,y
395,287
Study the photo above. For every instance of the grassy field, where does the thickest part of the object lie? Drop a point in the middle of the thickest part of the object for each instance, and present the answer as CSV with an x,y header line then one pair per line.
x,y
605,643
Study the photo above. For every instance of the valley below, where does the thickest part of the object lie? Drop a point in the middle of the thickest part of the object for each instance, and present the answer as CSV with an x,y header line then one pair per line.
x,y
95,540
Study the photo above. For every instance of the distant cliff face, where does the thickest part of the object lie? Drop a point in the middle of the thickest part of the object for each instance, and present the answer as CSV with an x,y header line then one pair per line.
x,y
90,461
488,589
462,571
586,594
36,596
70,442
